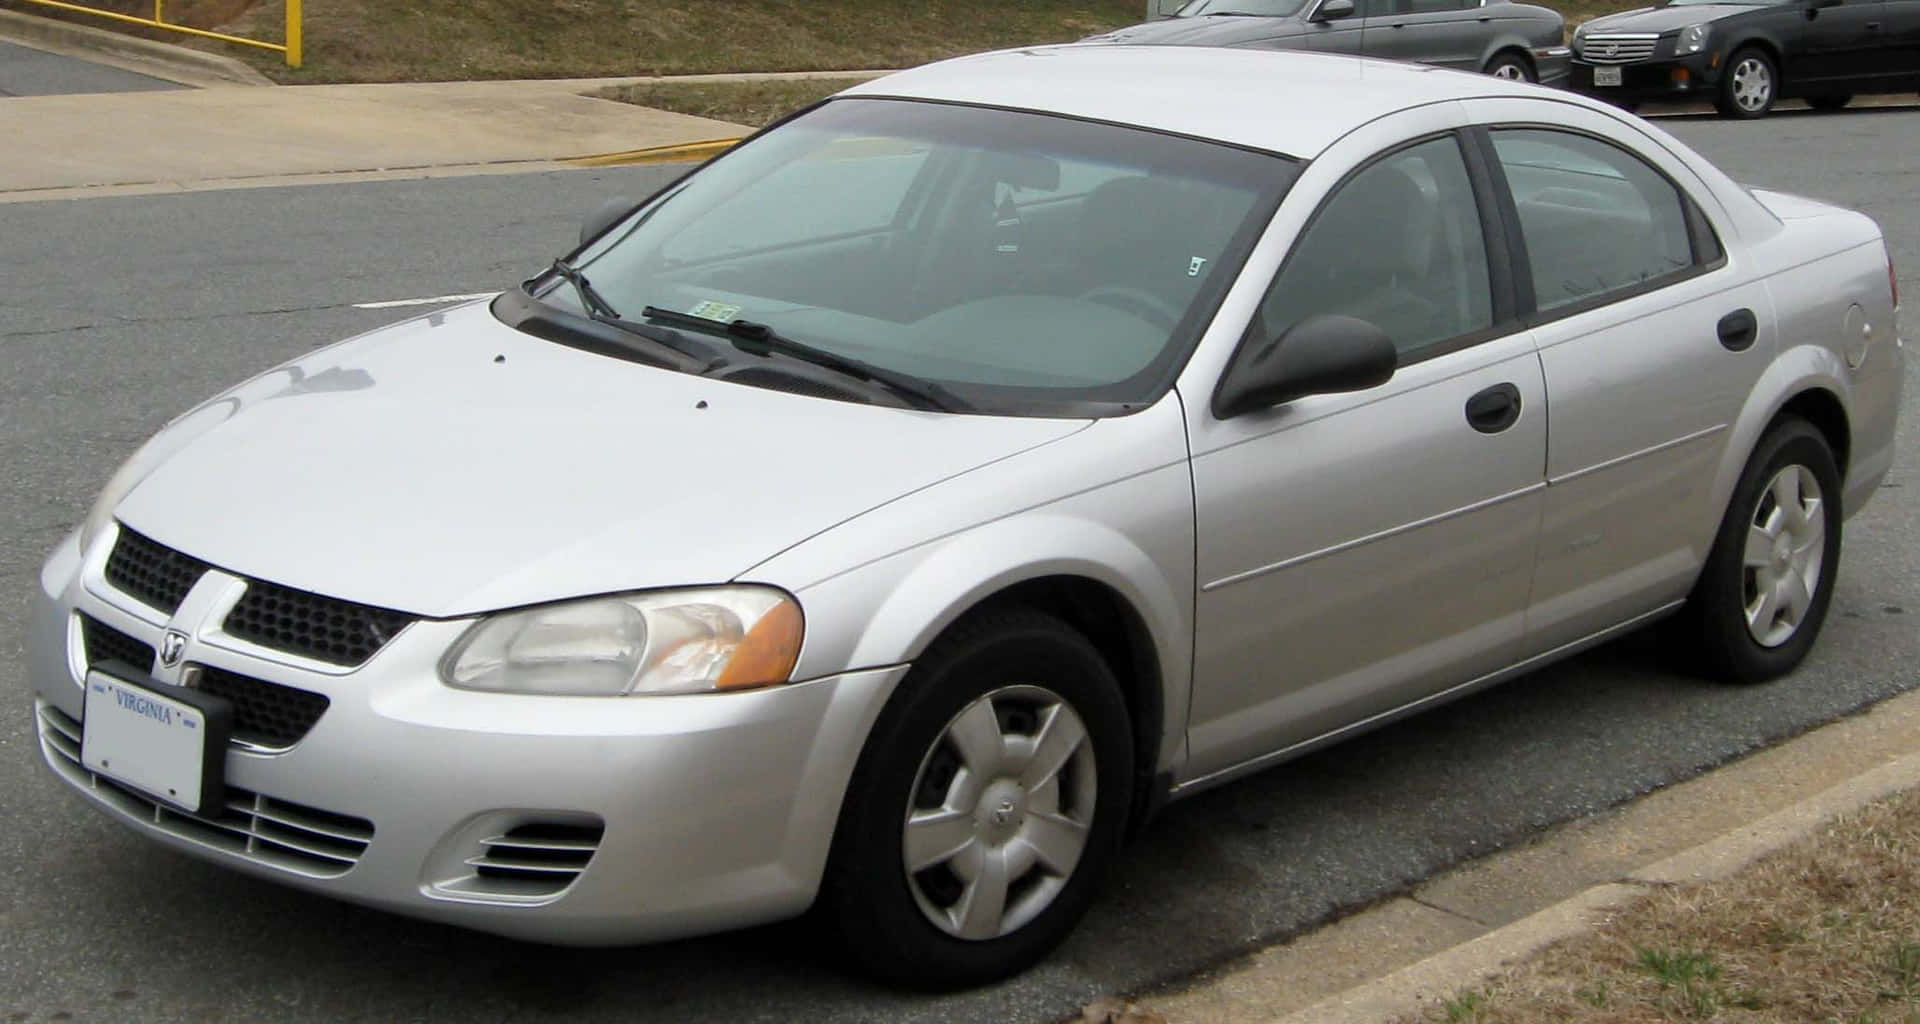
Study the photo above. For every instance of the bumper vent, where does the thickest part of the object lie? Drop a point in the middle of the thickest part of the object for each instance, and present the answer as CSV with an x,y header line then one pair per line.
x,y
534,859
277,833
105,643
323,628
264,714
152,572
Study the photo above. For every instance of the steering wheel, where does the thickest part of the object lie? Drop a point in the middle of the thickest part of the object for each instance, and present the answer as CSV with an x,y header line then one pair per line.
x,y
1137,302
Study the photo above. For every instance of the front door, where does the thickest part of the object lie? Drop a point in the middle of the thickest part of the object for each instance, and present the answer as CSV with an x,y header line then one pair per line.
x,y
1359,551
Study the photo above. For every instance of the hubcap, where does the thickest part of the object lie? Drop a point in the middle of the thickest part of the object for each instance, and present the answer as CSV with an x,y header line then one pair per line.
x,y
1752,84
1510,72
1785,554
999,813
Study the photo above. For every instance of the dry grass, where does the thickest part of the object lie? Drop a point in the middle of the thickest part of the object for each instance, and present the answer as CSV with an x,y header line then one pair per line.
x,y
444,40
749,103
1826,930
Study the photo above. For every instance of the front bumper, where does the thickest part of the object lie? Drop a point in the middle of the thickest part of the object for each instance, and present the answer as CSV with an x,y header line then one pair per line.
x,y
680,815
1669,79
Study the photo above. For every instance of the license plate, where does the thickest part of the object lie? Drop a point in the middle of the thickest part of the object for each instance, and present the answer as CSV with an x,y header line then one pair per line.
x,y
1606,76
171,746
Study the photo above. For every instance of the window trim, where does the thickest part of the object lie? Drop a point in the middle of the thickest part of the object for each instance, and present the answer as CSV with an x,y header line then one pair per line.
x,y
1699,227
1500,280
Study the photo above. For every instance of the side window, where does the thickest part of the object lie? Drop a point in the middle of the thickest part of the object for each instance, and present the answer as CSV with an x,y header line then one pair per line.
x,y
1596,218
1398,245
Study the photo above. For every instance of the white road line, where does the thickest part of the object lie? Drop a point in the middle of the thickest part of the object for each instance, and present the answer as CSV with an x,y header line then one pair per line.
x,y
437,300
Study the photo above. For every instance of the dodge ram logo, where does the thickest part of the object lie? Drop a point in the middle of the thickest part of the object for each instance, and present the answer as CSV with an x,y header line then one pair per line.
x,y
171,647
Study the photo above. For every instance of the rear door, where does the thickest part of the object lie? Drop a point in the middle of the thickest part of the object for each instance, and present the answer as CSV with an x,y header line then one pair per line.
x,y
1649,342
1449,33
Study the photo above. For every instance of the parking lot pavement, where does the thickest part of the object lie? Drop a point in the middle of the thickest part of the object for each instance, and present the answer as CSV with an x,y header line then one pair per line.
x,y
25,71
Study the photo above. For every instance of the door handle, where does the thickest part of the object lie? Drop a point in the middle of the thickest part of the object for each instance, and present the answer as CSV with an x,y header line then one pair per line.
x,y
1494,409
1738,329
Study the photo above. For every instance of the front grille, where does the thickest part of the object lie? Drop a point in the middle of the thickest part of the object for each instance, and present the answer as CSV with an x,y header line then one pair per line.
x,y
1617,49
264,714
105,643
323,628
278,833
152,572
533,859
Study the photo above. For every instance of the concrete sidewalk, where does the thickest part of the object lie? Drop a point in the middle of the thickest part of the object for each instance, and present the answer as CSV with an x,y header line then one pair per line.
x,y
65,146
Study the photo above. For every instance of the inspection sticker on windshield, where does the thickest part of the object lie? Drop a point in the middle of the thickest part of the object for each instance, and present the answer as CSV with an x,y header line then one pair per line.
x,y
724,312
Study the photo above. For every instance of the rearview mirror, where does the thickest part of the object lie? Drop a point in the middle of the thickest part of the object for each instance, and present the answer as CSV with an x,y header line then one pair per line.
x,y
1334,10
1320,355
607,215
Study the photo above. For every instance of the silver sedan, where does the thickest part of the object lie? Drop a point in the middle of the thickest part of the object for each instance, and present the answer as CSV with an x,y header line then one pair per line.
x,y
893,513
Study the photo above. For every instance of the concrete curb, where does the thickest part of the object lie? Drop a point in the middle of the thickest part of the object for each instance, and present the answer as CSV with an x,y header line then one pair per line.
x,y
1417,988
658,154
128,53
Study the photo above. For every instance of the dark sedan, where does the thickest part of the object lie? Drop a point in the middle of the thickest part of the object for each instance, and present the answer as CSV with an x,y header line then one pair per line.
x,y
1746,55
1504,39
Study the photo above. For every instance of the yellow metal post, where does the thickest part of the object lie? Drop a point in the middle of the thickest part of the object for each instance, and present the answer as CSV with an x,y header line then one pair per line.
x,y
157,19
293,33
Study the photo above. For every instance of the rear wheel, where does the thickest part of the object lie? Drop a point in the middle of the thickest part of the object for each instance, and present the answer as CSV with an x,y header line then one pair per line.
x,y
988,802
1512,67
1764,591
1831,101
1749,86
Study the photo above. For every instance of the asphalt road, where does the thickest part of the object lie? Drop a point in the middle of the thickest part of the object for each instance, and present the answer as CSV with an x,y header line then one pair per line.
x,y
116,313
25,71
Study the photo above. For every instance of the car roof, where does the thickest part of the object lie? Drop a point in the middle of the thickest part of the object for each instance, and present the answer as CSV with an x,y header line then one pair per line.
x,y
1285,102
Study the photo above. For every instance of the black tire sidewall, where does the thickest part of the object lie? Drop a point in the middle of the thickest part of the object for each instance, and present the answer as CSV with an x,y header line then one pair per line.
x,y
866,896
1728,650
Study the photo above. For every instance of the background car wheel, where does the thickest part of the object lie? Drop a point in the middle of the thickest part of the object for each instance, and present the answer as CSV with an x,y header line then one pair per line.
x,y
1763,593
1747,89
989,800
1512,67
1832,101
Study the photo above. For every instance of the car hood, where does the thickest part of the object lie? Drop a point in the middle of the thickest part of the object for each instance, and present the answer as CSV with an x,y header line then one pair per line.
x,y
452,465
1212,31
1664,19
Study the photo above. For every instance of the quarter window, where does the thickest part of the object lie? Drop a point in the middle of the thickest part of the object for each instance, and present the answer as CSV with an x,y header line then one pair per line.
x,y
1399,245
1596,219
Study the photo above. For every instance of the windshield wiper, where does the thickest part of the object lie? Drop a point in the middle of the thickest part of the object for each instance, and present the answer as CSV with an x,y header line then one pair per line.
x,y
596,306
760,340
602,311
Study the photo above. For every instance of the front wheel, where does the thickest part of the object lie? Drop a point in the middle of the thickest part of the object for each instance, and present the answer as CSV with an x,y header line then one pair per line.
x,y
1511,67
1764,591
988,802
1748,88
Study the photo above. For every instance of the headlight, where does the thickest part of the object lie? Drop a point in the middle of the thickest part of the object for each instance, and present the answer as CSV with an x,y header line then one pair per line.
x,y
674,641
1693,39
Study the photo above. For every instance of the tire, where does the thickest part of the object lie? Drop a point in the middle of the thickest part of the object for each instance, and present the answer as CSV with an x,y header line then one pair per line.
x,y
1744,636
1750,85
1830,101
1009,678
1511,67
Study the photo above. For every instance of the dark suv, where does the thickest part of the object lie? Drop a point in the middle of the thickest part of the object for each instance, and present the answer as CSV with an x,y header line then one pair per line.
x,y
1745,55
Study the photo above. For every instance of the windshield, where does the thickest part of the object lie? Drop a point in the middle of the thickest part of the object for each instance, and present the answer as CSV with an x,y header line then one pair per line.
x,y
1221,8
1025,263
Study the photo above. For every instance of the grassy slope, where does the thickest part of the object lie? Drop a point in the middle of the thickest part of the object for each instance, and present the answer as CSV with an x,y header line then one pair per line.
x,y
441,40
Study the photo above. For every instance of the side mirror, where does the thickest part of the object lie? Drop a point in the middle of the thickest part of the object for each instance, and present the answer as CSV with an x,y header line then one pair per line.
x,y
1320,355
607,215
1334,10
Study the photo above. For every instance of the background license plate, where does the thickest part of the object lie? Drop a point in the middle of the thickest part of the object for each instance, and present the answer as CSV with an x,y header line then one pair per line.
x,y
1606,76
168,747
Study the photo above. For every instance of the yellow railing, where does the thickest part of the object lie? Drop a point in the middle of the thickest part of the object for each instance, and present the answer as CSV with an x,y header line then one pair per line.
x,y
291,47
